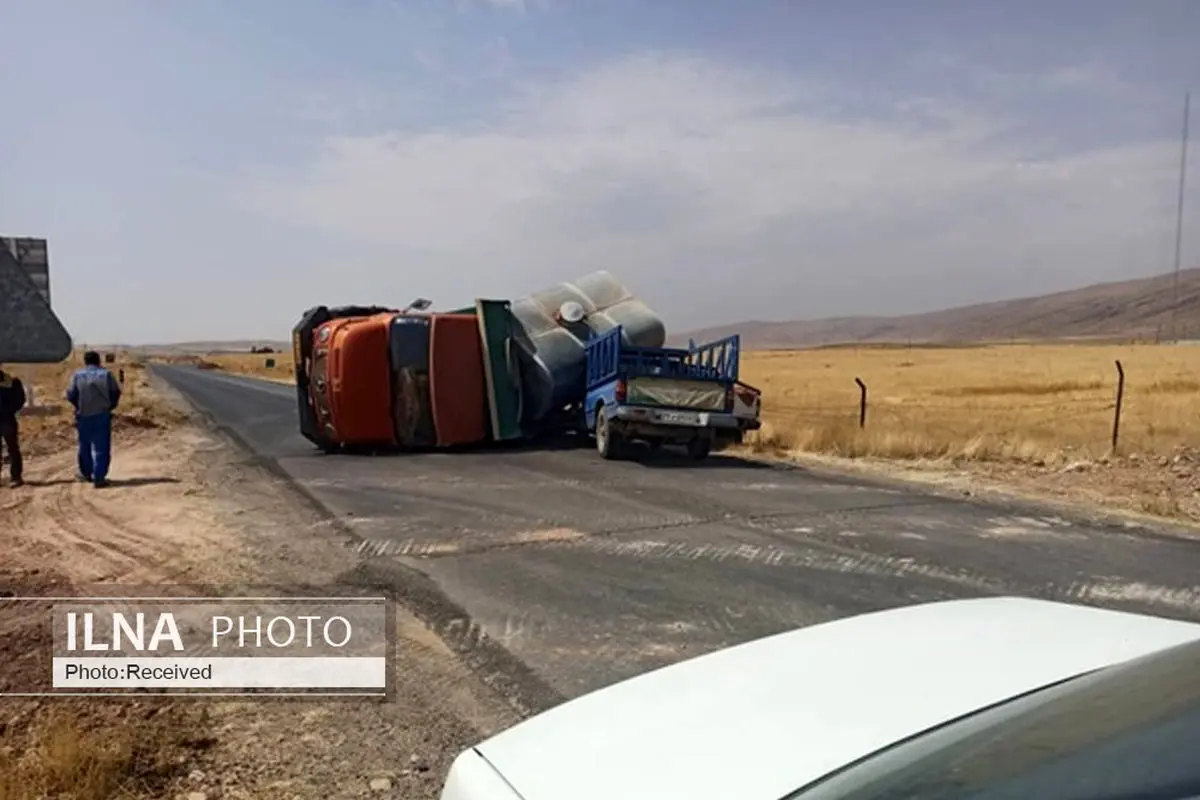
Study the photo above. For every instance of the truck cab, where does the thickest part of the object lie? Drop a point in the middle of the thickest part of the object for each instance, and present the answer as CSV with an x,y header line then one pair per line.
x,y
661,395
369,376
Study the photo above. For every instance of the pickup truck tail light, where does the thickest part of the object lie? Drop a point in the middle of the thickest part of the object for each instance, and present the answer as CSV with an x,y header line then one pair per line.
x,y
622,391
749,397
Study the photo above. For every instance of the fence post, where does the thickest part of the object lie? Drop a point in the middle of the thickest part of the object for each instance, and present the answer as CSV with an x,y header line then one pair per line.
x,y
862,403
1116,432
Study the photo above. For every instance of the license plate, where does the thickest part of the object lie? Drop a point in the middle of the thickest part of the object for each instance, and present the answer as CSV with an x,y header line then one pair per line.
x,y
679,417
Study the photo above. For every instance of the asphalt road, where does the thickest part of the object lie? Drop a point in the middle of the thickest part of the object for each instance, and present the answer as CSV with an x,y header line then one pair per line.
x,y
588,572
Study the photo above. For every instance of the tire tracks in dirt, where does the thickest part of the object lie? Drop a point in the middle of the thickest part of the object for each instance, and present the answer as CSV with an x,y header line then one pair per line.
x,y
122,534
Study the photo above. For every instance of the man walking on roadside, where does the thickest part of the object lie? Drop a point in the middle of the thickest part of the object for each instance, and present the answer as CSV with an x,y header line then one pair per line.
x,y
12,400
94,393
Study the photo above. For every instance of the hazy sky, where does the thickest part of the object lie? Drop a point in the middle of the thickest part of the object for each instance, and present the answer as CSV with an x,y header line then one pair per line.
x,y
208,169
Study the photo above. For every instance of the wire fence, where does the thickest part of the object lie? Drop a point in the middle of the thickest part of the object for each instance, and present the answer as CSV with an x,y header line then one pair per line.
x,y
1095,414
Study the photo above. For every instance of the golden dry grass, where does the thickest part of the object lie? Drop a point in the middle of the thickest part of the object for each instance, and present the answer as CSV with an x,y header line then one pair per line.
x,y
84,755
1032,402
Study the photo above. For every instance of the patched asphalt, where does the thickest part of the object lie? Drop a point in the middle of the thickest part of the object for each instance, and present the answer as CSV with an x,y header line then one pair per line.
x,y
588,571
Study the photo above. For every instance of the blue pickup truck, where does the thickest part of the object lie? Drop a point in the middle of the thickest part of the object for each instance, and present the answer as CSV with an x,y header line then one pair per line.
x,y
662,395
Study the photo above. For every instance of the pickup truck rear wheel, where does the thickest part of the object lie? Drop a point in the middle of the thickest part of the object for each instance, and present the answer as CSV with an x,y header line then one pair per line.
x,y
608,441
699,447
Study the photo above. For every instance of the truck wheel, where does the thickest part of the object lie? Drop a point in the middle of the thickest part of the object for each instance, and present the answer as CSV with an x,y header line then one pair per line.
x,y
608,441
699,448
655,444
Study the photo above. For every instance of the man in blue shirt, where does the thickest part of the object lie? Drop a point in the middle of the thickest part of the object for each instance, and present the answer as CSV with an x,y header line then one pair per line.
x,y
94,393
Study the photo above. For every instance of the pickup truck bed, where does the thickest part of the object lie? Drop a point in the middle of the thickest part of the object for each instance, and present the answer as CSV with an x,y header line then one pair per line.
x,y
666,395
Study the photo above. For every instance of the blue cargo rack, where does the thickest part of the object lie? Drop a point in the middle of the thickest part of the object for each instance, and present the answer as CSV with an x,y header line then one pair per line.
x,y
608,357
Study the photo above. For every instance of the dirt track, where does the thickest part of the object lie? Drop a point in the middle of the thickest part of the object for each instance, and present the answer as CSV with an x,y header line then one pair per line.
x,y
136,531
186,509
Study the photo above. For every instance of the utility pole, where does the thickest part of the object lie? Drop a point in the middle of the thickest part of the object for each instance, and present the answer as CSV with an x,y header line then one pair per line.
x,y
1187,109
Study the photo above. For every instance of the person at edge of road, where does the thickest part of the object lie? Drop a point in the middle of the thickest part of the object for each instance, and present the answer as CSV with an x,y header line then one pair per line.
x,y
12,400
94,393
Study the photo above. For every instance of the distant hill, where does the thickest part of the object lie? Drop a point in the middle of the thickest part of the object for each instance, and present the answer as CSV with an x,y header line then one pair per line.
x,y
1138,309
1128,309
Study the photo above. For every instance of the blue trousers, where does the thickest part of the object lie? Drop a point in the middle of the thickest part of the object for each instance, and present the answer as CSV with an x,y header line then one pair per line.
x,y
95,445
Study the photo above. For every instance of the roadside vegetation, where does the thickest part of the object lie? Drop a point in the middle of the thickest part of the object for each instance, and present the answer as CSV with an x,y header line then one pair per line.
x,y
97,751
1024,403
1031,419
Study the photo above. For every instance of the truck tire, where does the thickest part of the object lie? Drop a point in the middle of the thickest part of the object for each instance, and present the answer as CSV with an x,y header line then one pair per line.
x,y
608,442
699,447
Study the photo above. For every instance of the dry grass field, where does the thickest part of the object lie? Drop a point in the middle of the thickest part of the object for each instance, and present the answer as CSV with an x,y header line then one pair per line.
x,y
1034,418
1027,403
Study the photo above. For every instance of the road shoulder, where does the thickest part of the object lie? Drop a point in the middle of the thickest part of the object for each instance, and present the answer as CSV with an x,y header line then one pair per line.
x,y
1119,502
188,508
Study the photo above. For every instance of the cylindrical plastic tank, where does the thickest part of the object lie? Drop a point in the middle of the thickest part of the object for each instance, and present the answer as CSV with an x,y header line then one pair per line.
x,y
552,353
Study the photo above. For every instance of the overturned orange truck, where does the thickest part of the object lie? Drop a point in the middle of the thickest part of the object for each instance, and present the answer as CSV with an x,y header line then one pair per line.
x,y
370,377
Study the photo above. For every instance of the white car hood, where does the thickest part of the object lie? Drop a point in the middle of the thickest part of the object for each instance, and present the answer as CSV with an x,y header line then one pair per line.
x,y
757,721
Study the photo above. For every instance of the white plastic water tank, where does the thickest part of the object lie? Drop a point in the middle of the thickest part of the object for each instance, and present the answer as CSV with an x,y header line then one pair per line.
x,y
551,350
